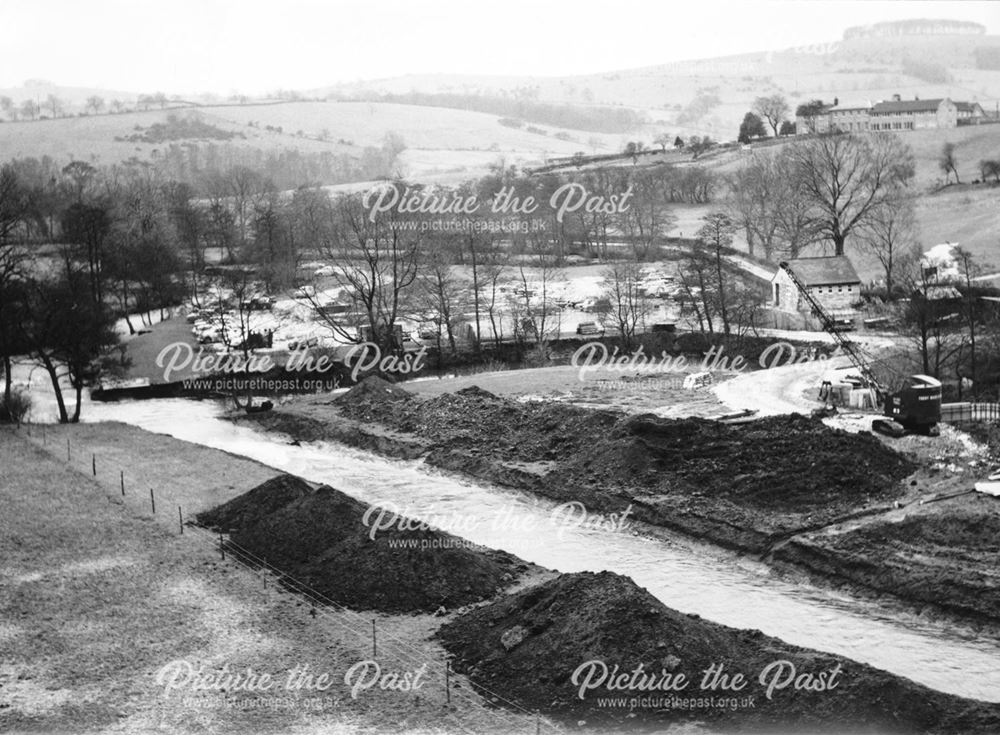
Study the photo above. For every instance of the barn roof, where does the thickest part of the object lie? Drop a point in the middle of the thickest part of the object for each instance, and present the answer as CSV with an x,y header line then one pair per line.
x,y
968,106
825,271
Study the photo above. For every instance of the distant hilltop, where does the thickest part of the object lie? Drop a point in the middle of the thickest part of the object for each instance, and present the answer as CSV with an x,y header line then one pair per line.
x,y
916,27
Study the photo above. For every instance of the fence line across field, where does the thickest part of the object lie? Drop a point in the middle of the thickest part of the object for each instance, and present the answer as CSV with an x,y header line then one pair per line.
x,y
326,607
321,609
254,563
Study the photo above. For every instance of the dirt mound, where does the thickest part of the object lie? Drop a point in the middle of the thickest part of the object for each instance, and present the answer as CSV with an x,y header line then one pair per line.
x,y
948,559
780,462
537,649
323,538
769,477
476,391
374,389
262,500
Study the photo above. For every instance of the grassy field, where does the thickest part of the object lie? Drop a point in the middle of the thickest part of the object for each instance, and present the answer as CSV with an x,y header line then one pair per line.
x,y
92,138
97,595
438,138
969,216
435,128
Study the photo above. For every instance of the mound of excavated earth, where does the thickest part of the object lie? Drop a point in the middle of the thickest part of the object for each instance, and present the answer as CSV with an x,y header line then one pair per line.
x,y
322,538
950,559
598,648
742,485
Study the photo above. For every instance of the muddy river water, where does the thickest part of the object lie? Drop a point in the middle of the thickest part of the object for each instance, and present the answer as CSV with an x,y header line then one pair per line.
x,y
713,584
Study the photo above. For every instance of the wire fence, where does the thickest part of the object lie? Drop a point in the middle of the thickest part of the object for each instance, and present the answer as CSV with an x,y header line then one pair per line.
x,y
509,715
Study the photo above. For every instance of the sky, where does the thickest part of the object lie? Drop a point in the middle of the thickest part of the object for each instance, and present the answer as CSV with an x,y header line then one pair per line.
x,y
251,46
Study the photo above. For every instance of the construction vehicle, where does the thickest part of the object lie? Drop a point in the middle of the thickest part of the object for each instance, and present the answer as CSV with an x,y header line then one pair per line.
x,y
913,407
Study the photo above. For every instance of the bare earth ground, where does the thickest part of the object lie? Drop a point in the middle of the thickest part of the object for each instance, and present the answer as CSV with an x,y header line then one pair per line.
x,y
97,594
875,553
629,390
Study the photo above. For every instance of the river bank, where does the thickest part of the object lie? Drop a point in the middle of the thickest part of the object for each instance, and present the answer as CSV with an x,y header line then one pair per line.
x,y
192,605
769,488
527,648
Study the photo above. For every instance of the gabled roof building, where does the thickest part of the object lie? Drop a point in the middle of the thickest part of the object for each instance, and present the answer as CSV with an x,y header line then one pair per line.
x,y
896,114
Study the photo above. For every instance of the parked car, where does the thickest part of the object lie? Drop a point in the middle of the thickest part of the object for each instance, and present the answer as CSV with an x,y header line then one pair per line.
x,y
590,329
261,303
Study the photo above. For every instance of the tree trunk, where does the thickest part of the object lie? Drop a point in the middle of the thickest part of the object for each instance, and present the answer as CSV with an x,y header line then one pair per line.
x,y
7,380
76,412
723,312
128,321
475,292
54,377
838,243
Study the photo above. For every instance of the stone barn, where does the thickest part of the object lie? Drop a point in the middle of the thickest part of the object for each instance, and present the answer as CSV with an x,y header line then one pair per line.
x,y
831,280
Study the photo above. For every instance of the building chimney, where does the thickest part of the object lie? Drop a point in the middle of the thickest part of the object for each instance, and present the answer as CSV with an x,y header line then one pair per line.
x,y
896,98
836,101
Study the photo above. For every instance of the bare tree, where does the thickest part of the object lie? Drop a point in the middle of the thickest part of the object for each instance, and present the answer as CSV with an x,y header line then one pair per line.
x,y
442,293
54,104
716,237
13,209
246,189
948,162
67,331
968,269
930,322
629,305
537,319
773,108
95,104
756,197
890,235
697,296
647,220
30,109
376,260
846,179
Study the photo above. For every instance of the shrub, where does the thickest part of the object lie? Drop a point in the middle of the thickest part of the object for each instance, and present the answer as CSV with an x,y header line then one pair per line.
x,y
18,408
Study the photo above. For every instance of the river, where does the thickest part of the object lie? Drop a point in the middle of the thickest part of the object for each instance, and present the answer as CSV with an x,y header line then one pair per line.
x,y
711,583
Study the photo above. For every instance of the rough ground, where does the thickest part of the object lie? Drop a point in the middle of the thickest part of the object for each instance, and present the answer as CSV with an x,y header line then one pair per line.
x,y
798,492
320,537
945,558
529,645
744,486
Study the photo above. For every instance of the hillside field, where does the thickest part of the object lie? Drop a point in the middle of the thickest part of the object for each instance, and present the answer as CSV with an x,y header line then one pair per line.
x,y
437,139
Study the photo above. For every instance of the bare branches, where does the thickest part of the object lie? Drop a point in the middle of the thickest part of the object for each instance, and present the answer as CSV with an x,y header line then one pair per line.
x,y
846,179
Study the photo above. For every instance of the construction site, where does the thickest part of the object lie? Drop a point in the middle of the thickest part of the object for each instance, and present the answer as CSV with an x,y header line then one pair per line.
x,y
629,387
